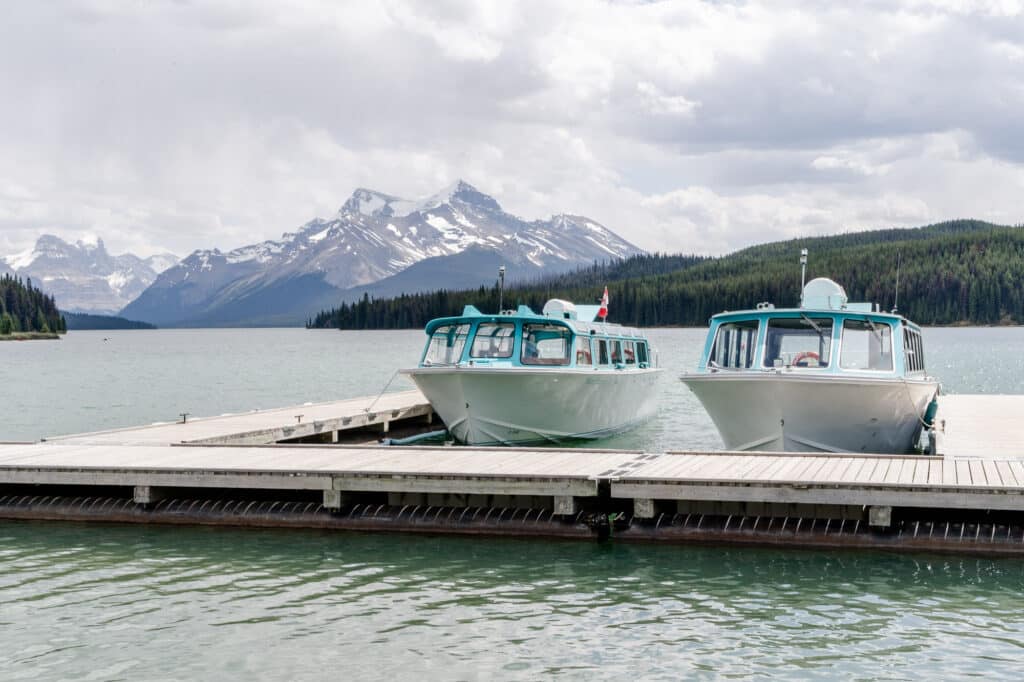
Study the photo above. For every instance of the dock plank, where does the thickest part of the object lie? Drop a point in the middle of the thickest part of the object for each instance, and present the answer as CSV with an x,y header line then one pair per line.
x,y
1017,467
992,475
977,472
1006,473
832,471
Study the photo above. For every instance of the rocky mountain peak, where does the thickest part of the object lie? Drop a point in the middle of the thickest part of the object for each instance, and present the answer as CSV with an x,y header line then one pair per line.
x,y
466,193
82,276
447,239
368,202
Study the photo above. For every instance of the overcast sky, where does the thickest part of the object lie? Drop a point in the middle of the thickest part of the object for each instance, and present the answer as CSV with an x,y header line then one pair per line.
x,y
683,126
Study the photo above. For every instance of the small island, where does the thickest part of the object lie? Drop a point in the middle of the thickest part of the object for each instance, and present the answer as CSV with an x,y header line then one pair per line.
x,y
26,313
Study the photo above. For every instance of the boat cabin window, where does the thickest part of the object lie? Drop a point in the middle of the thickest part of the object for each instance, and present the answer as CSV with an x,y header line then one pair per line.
x,y
913,350
616,352
641,353
734,345
629,352
603,348
493,340
583,353
798,342
446,344
866,345
546,344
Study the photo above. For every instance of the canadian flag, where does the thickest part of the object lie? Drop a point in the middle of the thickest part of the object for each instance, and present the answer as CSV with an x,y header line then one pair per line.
x,y
603,312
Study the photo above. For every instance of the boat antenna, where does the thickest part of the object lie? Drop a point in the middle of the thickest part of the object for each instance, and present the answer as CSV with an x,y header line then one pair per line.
x,y
803,274
501,288
896,301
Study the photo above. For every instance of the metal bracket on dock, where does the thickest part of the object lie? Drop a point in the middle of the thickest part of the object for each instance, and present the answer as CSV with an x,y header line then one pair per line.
x,y
565,505
880,517
145,494
643,508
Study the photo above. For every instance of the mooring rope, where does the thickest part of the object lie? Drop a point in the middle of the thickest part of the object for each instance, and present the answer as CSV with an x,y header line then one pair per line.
x,y
382,391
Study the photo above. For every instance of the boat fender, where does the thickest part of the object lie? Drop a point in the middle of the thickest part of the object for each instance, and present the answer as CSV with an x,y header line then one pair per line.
x,y
929,413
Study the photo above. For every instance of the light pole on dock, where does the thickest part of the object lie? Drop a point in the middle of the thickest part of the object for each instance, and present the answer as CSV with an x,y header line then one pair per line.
x,y
501,288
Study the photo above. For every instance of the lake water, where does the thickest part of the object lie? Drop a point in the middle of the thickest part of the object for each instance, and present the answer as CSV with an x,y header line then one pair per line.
x,y
108,602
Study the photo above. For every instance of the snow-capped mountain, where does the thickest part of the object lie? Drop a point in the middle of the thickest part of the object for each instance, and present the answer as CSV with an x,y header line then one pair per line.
x,y
83,276
374,236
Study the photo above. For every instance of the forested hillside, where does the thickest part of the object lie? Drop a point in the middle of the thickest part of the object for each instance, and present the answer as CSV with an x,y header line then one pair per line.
x,y
962,271
23,308
86,322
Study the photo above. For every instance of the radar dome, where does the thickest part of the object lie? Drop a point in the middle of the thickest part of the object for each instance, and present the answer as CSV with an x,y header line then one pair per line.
x,y
823,294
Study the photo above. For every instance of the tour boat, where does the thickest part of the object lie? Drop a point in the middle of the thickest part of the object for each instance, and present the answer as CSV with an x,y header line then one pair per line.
x,y
520,377
829,376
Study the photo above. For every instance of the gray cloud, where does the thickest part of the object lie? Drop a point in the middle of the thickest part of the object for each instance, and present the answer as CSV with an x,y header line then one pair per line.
x,y
684,126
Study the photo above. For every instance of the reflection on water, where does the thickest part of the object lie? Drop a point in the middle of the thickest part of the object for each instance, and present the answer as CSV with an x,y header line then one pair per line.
x,y
136,602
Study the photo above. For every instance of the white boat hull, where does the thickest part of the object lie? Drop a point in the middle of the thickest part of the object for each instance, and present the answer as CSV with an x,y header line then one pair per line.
x,y
512,406
800,413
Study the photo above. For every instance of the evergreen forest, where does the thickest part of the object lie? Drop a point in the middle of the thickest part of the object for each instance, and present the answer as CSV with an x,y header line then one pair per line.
x,y
26,309
956,272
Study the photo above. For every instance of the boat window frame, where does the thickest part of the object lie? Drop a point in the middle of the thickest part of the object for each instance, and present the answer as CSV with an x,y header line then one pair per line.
x,y
499,324
913,351
568,337
616,351
811,322
629,352
452,343
602,344
753,344
642,354
877,323
588,352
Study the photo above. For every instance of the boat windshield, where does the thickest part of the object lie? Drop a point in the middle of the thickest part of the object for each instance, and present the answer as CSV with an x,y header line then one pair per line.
x,y
446,344
546,344
798,342
866,345
493,340
734,345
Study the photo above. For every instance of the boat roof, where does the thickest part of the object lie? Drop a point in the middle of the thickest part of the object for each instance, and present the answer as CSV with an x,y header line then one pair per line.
x,y
579,318
820,296
810,312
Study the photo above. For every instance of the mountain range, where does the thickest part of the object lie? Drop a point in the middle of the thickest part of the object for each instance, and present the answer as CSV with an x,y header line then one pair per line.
x,y
375,244
82,276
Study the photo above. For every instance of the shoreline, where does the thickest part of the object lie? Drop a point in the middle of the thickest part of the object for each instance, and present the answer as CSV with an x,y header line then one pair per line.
x,y
30,336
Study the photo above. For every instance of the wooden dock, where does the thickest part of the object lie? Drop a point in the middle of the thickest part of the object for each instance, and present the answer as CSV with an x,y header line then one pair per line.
x,y
980,426
283,468
325,421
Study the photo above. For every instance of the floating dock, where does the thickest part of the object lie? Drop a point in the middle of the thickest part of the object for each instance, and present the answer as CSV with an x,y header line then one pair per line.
x,y
982,426
292,468
354,419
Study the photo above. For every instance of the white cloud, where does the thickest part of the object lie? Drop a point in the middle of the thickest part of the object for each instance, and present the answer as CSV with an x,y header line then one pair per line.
x,y
683,125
